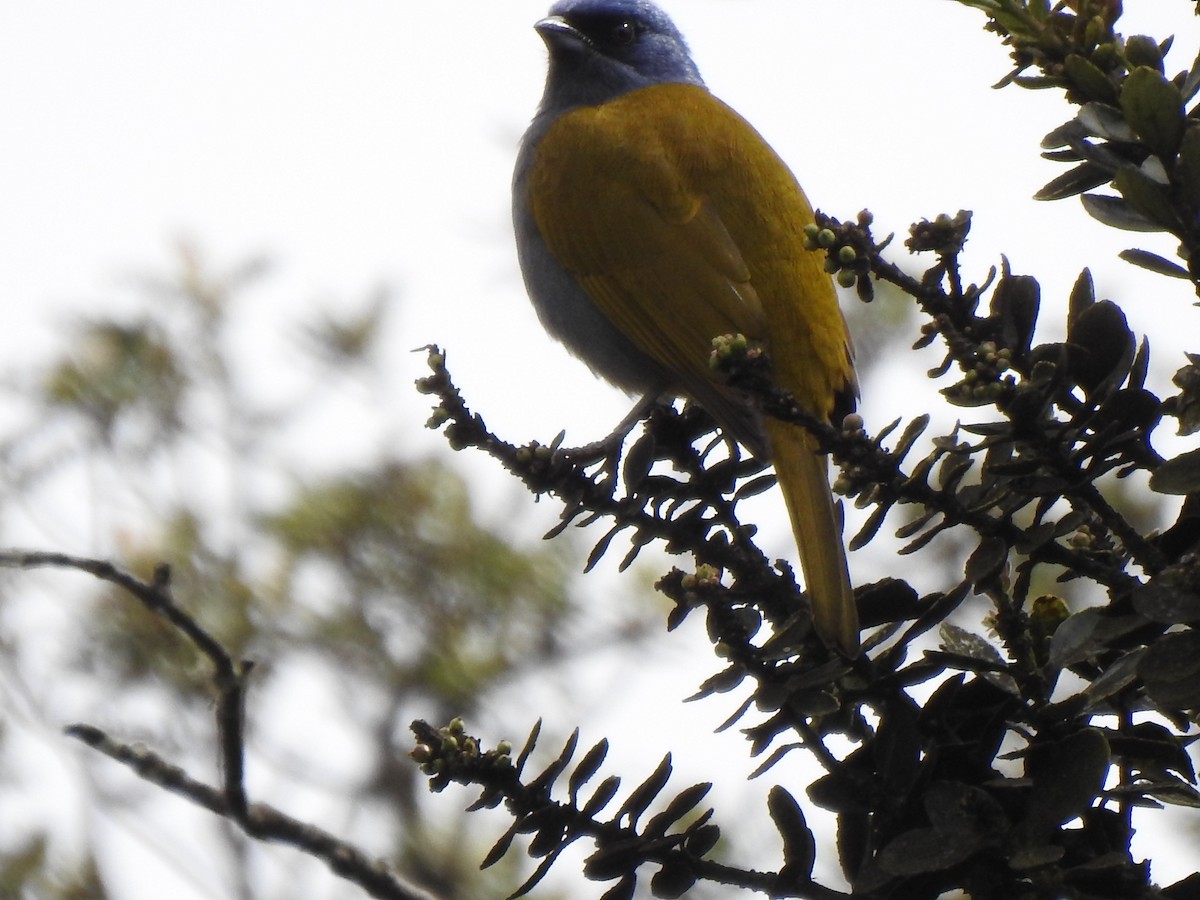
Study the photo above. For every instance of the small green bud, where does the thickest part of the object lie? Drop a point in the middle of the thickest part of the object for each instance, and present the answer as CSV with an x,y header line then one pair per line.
x,y
457,725
1104,56
847,277
846,255
826,238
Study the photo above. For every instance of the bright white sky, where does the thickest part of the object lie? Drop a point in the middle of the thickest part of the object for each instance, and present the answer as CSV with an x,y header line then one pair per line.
x,y
371,142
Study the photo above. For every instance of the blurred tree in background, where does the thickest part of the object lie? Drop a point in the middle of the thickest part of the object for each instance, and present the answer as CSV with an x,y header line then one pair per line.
x,y
369,593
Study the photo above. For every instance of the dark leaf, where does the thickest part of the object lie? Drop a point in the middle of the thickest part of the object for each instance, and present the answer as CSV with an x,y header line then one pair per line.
x,y
1141,365
542,817
1089,80
1083,177
836,794
1067,777
1166,602
1115,678
961,642
530,742
643,795
587,767
605,791
548,840
1104,121
673,880
1148,197
1083,296
613,861
987,561
1154,107
601,548
1187,166
1171,790
1015,302
1116,213
755,486
1064,135
908,529
799,845
897,747
1171,671
622,890
702,840
870,528
889,600
685,801
912,431
1149,746
499,848
639,458
1141,50
1180,475
532,881
550,774
1154,263
724,681
1108,156
1075,639
956,807
952,470
1191,81
853,837
927,850
1105,346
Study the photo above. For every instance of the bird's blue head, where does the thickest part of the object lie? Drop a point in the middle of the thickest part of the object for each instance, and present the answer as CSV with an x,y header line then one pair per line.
x,y
600,49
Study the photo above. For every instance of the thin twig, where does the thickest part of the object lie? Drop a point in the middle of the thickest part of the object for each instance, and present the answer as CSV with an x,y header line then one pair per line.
x,y
265,822
257,820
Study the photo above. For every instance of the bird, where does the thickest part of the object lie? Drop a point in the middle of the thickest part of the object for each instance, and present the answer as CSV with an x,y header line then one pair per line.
x,y
651,218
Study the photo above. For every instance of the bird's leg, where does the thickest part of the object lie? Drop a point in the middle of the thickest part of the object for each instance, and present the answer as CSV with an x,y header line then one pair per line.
x,y
608,448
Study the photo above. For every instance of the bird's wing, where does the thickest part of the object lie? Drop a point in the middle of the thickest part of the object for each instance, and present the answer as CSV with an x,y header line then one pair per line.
x,y
681,224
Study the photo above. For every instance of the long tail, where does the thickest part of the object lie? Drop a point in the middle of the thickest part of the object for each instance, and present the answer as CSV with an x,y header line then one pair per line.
x,y
804,477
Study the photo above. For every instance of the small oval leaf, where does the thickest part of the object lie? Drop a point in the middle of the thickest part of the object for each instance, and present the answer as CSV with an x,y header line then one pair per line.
x,y
1153,106
1116,213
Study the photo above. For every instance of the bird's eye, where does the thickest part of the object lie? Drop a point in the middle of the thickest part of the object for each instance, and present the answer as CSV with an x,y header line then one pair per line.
x,y
624,32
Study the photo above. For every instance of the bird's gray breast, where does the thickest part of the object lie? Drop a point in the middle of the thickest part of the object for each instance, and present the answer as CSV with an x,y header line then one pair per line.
x,y
563,307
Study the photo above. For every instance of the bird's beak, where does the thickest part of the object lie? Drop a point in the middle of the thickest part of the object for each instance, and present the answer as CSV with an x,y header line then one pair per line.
x,y
557,31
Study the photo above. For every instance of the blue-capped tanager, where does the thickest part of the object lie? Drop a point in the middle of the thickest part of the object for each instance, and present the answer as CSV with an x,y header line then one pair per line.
x,y
651,218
